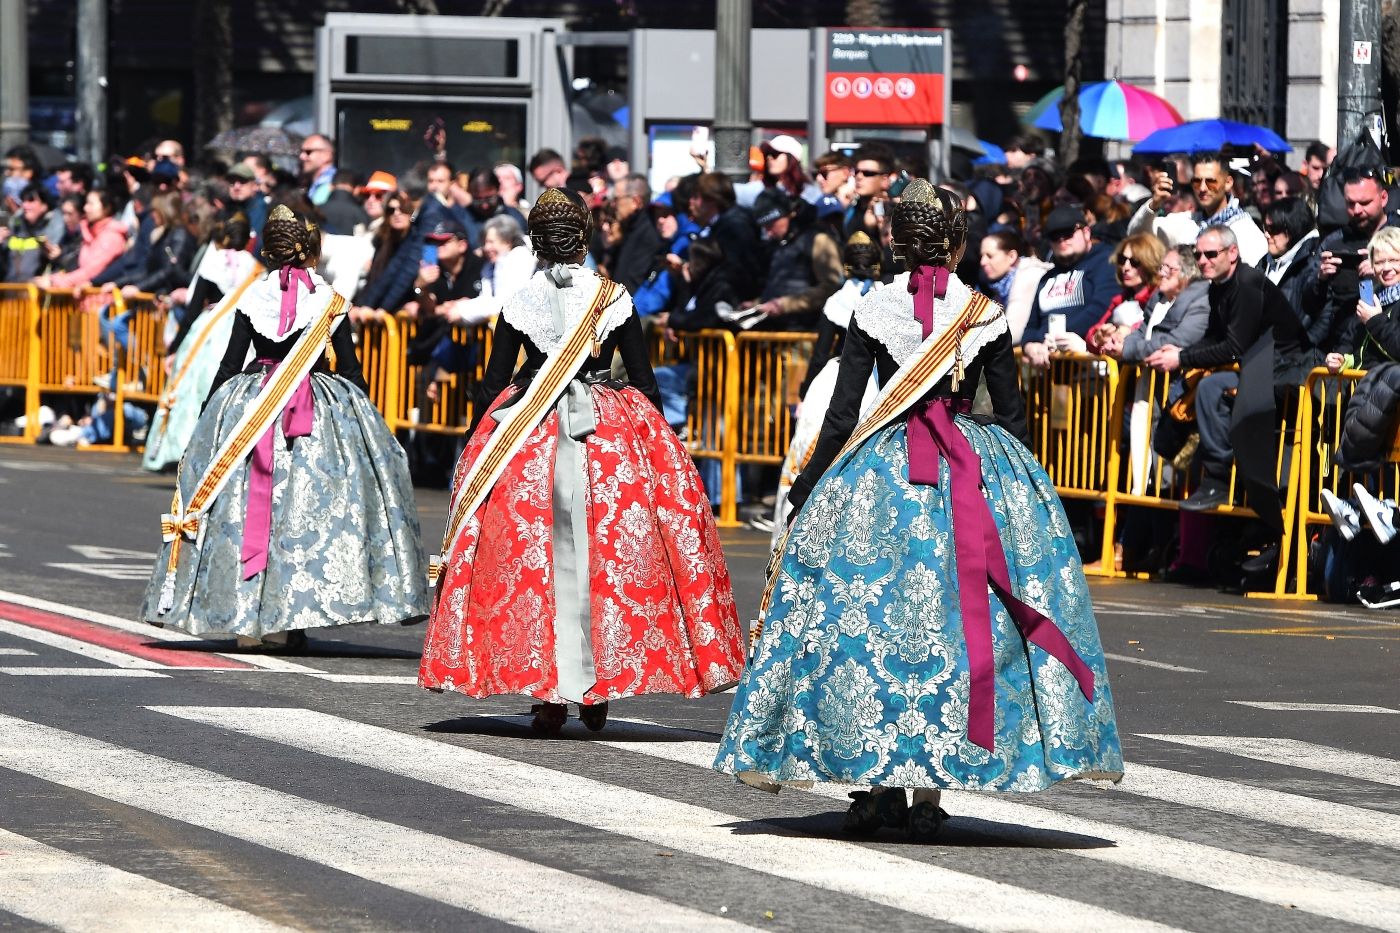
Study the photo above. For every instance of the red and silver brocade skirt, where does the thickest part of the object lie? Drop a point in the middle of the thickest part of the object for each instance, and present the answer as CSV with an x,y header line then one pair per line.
x,y
625,592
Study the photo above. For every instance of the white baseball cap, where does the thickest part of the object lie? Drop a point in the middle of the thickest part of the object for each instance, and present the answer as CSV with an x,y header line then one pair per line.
x,y
785,144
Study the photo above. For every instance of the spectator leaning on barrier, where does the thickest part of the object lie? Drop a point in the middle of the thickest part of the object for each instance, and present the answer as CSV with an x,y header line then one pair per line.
x,y
1136,261
1078,287
1342,261
1216,205
1010,276
397,254
317,158
1250,324
1377,339
1177,312
22,243
104,239
635,256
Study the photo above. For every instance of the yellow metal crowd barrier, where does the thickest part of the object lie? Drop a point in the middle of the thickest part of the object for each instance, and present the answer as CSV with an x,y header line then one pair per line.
x,y
140,365
19,352
1324,404
452,411
380,352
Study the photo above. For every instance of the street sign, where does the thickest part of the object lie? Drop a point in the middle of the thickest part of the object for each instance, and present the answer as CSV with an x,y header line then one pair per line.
x,y
886,77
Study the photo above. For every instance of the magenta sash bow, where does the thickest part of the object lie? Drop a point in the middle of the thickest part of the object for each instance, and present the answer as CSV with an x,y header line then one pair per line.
x,y
287,313
297,420
977,547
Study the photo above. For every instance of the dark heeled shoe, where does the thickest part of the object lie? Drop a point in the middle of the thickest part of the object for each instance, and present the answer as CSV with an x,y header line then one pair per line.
x,y
594,716
925,820
549,717
868,812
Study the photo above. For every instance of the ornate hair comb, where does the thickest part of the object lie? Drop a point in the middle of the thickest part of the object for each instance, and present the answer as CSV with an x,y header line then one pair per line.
x,y
919,191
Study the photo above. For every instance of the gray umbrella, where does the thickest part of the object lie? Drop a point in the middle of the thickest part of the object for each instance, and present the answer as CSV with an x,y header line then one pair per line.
x,y
265,140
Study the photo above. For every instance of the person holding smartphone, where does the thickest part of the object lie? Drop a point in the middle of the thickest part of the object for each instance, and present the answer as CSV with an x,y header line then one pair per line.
x,y
1343,261
23,235
1377,338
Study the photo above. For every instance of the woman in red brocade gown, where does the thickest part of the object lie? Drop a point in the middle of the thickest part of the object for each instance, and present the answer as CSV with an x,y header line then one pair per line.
x,y
581,564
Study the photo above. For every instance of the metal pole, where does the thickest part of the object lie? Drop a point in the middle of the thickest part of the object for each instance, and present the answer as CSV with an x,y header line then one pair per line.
x,y
92,80
1359,67
14,73
732,130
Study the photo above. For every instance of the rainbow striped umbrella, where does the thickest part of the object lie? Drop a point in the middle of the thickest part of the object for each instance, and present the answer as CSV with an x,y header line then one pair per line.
x,y
1107,110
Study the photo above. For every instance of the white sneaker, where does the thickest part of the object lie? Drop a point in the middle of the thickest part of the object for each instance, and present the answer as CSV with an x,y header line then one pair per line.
x,y
1344,516
103,381
1380,514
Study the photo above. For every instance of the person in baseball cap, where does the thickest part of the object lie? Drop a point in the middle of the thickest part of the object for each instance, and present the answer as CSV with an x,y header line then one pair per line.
x,y
1077,290
769,207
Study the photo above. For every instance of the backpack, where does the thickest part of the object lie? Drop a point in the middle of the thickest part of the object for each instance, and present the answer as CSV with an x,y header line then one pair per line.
x,y
1331,202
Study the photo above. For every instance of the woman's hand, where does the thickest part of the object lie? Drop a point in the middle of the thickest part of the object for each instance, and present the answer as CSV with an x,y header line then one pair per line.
x,y
1335,363
1365,312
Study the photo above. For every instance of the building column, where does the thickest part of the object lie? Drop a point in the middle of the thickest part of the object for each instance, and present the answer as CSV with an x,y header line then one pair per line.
x,y
1313,37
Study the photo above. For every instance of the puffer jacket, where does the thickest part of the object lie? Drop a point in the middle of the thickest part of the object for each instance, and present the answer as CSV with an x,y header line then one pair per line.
x,y
1369,424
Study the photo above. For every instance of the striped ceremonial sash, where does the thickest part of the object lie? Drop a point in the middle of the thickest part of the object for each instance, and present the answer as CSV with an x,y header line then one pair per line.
x,y
184,518
521,418
915,379
222,310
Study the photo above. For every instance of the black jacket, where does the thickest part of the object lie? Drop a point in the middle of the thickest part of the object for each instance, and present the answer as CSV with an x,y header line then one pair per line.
x,y
342,212
863,353
1297,288
636,255
1378,340
736,235
1336,324
1369,423
702,311
167,263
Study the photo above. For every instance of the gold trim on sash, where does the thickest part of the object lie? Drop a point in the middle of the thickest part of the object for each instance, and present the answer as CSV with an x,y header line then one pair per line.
x,y
224,308
544,390
185,520
915,379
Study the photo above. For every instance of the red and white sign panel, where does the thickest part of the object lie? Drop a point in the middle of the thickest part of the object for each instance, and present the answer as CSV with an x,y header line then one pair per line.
x,y
886,77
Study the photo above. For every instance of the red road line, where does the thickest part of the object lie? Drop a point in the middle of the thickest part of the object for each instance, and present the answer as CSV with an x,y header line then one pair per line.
x,y
117,640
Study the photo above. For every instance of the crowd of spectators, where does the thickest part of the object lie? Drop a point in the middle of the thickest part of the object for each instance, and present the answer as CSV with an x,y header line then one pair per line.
x,y
1201,261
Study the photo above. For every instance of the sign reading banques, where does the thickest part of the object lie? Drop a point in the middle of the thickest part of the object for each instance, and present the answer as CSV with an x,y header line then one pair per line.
x,y
885,77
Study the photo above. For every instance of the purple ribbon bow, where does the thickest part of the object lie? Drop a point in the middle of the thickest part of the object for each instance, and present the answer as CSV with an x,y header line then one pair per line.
x,y
297,419
287,314
932,436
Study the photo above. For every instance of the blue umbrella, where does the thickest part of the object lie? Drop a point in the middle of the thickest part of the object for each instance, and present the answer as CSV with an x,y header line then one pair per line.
x,y
1210,136
994,155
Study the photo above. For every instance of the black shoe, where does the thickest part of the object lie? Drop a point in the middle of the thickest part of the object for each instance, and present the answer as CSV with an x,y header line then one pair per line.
x,y
925,820
549,717
594,716
1209,496
868,812
1265,563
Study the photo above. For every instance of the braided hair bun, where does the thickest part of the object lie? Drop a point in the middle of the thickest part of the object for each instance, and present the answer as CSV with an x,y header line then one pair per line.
x,y
861,257
289,240
561,226
929,227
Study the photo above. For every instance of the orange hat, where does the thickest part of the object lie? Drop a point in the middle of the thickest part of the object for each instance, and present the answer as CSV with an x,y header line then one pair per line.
x,y
756,163
382,182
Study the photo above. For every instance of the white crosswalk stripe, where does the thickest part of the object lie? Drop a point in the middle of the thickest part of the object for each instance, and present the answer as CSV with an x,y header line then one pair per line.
x,y
395,856
432,866
74,646
906,884
1295,754
80,895
1324,893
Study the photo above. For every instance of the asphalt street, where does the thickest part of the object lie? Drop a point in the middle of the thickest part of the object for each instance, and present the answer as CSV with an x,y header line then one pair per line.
x,y
150,775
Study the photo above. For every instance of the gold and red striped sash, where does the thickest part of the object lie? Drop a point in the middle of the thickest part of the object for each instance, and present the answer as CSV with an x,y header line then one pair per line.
x,y
222,310
522,417
915,379
184,518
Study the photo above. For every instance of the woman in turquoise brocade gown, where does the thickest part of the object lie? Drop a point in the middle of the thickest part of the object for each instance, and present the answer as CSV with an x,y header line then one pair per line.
x,y
896,653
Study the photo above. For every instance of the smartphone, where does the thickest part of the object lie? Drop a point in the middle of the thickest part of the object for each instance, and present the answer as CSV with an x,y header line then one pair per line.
x,y
1349,260
1368,291
5,218
1169,167
429,254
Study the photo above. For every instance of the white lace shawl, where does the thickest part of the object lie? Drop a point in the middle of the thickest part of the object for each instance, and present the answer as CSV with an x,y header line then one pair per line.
x,y
886,313
530,310
262,304
839,307
225,269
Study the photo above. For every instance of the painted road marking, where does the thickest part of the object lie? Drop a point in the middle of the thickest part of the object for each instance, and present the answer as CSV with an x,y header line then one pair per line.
x,y
106,571
1295,754
1315,707
503,887
73,893
104,643
94,552
1129,659
1323,893
848,868
79,672
147,633
1328,632
1369,827
75,646
405,680
16,652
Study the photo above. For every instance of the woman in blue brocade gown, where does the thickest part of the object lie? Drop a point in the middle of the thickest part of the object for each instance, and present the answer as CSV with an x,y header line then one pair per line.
x,y
878,663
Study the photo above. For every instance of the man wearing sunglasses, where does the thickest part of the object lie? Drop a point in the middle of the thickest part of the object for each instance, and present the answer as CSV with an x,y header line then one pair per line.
x,y
1213,189
1078,287
1342,260
317,158
1252,324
